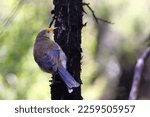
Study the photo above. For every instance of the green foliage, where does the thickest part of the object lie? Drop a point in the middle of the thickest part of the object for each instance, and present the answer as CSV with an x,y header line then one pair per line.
x,y
19,74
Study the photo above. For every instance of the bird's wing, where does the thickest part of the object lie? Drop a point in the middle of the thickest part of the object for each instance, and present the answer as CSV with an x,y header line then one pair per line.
x,y
62,56
49,62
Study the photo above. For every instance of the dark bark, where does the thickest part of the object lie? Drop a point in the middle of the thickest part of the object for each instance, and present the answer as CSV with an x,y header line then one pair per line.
x,y
68,19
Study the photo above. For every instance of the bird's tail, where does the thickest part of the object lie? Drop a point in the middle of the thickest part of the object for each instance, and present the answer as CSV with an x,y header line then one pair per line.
x,y
68,79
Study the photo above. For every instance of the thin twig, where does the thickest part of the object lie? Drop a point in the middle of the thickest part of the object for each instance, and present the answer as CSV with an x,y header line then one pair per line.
x,y
137,74
84,24
96,18
51,22
84,11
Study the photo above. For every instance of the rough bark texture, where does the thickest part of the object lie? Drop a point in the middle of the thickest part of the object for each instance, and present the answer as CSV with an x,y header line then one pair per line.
x,y
68,19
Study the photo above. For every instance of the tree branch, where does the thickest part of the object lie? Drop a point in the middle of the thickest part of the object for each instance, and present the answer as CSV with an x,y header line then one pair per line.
x,y
68,18
50,24
137,74
96,18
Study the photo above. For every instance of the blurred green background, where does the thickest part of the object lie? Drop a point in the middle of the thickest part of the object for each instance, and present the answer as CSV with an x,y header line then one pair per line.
x,y
106,47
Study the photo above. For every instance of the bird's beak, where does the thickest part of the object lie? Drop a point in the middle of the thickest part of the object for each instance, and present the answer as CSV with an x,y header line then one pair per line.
x,y
51,29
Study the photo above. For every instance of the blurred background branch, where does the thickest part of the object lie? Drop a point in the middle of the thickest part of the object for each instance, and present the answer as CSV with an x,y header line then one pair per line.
x,y
138,74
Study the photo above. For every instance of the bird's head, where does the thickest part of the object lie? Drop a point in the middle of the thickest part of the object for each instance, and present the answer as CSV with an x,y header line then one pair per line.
x,y
45,32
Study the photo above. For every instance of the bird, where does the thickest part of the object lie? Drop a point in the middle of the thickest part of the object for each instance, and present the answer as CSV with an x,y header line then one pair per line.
x,y
50,58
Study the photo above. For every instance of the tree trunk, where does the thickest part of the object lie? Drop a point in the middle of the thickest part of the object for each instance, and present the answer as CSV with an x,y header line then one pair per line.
x,y
68,19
